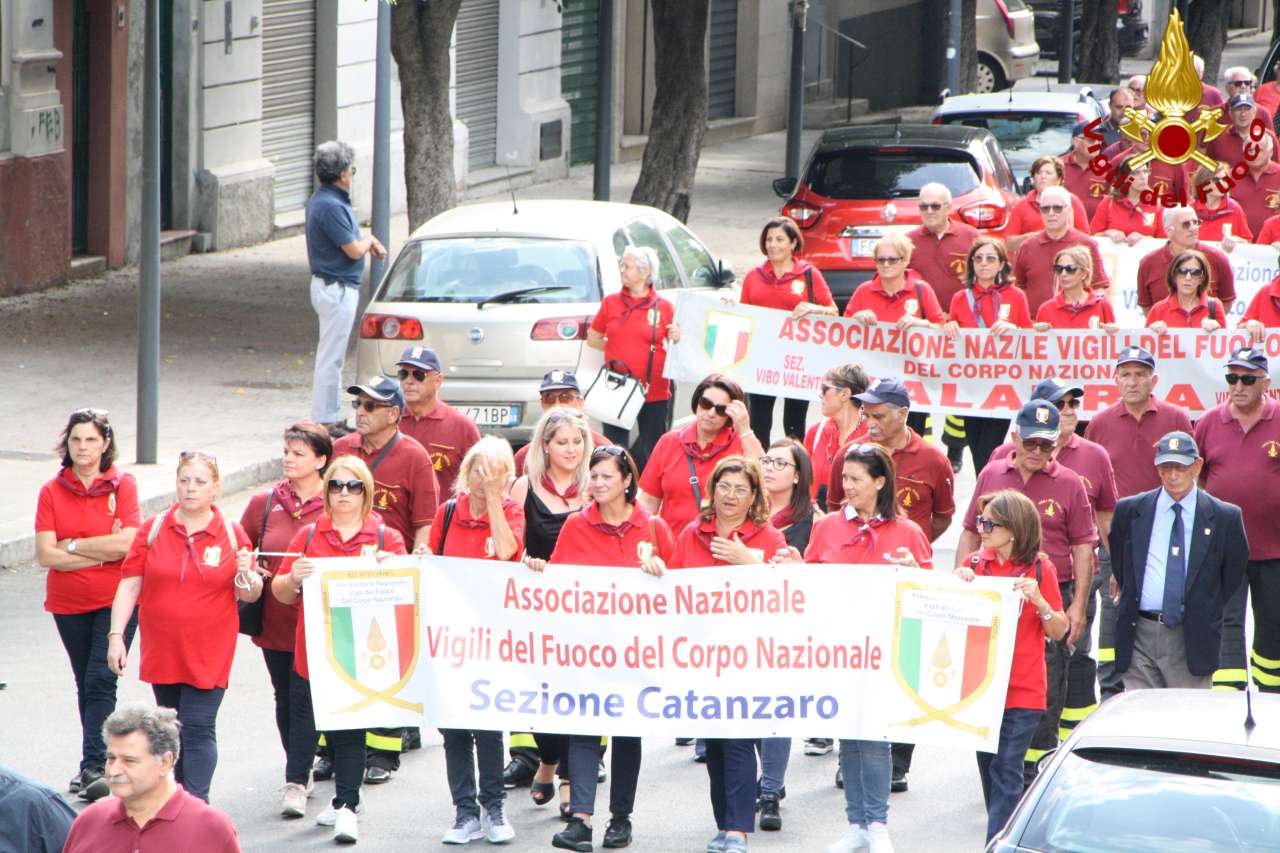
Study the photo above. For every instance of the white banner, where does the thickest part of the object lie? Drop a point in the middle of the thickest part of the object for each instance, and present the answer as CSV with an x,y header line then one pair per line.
x,y
868,652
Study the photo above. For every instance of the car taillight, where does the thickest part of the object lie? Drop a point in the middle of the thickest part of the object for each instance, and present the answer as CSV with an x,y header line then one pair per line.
x,y
985,215
937,119
803,213
1008,19
390,327
560,329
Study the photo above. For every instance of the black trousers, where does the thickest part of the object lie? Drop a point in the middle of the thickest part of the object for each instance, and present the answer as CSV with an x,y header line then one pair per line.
x,y
794,413
84,636
584,753
346,746
651,423
469,753
984,435
554,749
280,668
902,753
198,752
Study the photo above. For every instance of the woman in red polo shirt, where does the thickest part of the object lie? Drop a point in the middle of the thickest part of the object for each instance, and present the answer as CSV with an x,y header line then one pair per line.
x,y
895,294
721,427
787,283
841,421
632,328
1124,216
271,519
86,517
1187,306
1263,312
866,530
348,527
1221,217
1009,526
187,576
1076,305
732,529
1025,217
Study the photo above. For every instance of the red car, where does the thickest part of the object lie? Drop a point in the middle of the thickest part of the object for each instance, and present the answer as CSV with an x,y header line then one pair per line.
x,y
860,183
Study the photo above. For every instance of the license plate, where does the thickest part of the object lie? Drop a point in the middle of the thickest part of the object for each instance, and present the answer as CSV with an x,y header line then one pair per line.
x,y
493,416
862,247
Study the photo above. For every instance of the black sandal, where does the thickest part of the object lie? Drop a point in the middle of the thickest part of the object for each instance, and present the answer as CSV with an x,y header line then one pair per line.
x,y
541,792
566,806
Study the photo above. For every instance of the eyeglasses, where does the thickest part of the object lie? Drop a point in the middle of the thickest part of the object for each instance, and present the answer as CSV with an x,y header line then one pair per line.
x,y
369,406
1244,379
1068,403
1190,223
727,489
568,395
418,375
774,463
1039,445
1052,208
1069,269
986,525
1190,272
887,260
986,259
353,168
351,487
704,404
931,205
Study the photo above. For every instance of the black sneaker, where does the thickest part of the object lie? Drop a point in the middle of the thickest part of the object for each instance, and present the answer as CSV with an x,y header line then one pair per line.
x,y
93,785
376,774
618,832
575,836
840,778
899,783
322,770
518,773
74,785
955,455
770,818
684,741
411,739
602,773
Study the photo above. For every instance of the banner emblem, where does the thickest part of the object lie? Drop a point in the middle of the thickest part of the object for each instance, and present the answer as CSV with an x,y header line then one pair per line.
x,y
728,339
371,632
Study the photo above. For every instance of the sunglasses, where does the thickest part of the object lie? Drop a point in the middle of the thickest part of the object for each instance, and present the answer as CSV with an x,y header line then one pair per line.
x,y
1238,83
1190,272
1190,223
369,406
986,525
1069,269
704,404
887,259
418,375
550,398
1246,379
1040,445
188,455
828,387
931,205
89,413
986,259
1052,208
608,450
1068,402
351,487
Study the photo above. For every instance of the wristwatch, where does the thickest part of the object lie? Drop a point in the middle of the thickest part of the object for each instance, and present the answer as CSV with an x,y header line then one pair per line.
x,y
71,546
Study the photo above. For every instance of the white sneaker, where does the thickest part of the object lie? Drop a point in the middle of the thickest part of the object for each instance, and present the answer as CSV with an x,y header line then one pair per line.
x,y
345,830
293,800
878,838
465,829
329,817
817,746
853,840
494,823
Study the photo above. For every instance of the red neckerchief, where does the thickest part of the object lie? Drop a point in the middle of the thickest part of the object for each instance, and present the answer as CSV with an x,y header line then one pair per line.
x,y
716,446
988,557
781,518
864,528
595,519
986,294
1207,215
284,495
189,554
366,535
631,303
770,278
104,484
550,486
1091,299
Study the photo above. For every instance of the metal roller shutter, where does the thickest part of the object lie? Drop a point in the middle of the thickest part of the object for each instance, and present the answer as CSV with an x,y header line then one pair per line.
x,y
289,97
578,84
722,67
476,52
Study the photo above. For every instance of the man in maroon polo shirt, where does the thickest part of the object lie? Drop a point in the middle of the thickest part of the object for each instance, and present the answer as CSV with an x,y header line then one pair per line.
x,y
1229,147
1077,177
1258,192
1068,538
1033,269
1240,443
1183,229
148,810
444,432
559,389
941,243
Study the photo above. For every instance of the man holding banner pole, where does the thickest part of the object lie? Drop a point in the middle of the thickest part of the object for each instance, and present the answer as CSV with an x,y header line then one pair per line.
x,y
1183,227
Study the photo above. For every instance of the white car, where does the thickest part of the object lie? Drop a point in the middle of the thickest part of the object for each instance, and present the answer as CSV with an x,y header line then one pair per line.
x,y
505,292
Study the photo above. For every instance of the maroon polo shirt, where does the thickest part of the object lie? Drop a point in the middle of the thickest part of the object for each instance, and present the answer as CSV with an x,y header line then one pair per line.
x,y
446,434
1131,443
1090,461
1260,196
184,824
940,260
1165,179
405,492
1033,269
1082,183
1058,493
1152,286
1242,468
1229,147
923,480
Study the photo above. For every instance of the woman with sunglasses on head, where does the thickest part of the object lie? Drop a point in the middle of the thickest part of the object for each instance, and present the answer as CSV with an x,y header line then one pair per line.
x,y
86,518
1187,306
1025,216
1123,215
866,530
732,528
841,421
612,530
347,527
271,520
1221,217
1076,305
1009,529
632,328
186,569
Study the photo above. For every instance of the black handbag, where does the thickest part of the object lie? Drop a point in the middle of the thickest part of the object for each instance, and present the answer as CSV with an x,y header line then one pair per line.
x,y
251,611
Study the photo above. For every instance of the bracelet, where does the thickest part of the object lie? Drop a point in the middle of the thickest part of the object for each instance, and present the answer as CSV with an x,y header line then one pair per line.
x,y
1046,615
746,434
115,633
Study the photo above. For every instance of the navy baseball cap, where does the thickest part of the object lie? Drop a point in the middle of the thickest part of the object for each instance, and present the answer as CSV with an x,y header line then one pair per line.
x,y
381,388
1244,99
423,358
1078,128
887,390
1250,358
1054,389
1037,419
1177,447
556,380
1136,355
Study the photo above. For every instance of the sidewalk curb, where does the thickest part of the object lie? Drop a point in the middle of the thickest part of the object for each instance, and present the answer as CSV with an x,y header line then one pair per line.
x,y
22,549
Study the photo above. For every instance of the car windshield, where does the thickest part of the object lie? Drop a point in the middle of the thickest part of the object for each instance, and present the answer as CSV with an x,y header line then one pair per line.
x,y
889,172
1140,801
515,270
1023,137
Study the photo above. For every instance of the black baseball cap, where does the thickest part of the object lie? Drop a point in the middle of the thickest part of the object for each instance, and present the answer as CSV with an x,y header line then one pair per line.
x,y
1176,447
556,380
423,358
1250,358
381,388
1054,389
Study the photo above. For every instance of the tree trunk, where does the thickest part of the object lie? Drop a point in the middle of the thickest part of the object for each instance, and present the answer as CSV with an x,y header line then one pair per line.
x,y
968,46
1099,42
420,36
1207,33
679,121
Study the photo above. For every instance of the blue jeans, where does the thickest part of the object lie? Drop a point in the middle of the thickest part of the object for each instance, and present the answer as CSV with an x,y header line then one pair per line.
x,y
84,636
867,766
775,753
1001,774
198,713
731,766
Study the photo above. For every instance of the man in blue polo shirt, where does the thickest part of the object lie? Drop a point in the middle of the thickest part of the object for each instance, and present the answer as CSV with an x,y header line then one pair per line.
x,y
336,252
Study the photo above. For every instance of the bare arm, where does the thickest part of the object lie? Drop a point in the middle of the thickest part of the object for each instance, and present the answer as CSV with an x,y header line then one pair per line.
x,y
104,549
650,502
127,592
1082,573
55,557
505,545
421,537
969,542
357,249
1103,520
938,525
595,339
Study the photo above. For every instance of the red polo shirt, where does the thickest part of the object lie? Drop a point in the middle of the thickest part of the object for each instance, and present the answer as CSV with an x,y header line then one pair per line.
x,y
1131,444
1214,223
187,610
1025,216
1152,286
924,482
761,287
1120,214
940,260
693,545
838,539
597,440
70,511
1265,305
666,474
446,434
915,297
1164,178
1170,312
405,492
1270,233
588,540
1241,468
184,824
326,542
631,327
1058,493
1090,462
287,516
1028,682
1082,183
1033,269
823,442
1090,314
1007,303
1260,196
469,536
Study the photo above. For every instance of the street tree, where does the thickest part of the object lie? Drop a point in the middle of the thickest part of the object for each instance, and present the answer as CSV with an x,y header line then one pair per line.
x,y
968,44
1207,32
1099,45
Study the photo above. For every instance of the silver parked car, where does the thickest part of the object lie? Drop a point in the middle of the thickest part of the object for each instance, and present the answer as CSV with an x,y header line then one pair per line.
x,y
1007,48
504,293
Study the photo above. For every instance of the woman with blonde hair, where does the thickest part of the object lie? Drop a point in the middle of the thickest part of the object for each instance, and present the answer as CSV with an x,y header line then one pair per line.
x,y
895,294
1076,305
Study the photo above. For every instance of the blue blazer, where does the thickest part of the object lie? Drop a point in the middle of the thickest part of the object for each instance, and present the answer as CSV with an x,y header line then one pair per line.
x,y
1215,570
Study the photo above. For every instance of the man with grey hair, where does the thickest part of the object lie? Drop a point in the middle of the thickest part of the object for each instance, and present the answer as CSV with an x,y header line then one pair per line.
x,y
941,244
1033,269
1238,80
1182,225
335,252
148,809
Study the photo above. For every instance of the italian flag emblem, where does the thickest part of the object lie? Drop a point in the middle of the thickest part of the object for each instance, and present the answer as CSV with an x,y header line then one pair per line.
x,y
371,632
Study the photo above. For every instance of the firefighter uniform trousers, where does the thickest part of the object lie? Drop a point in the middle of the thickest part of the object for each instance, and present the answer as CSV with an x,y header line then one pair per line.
x,y
952,428
1071,674
1262,587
